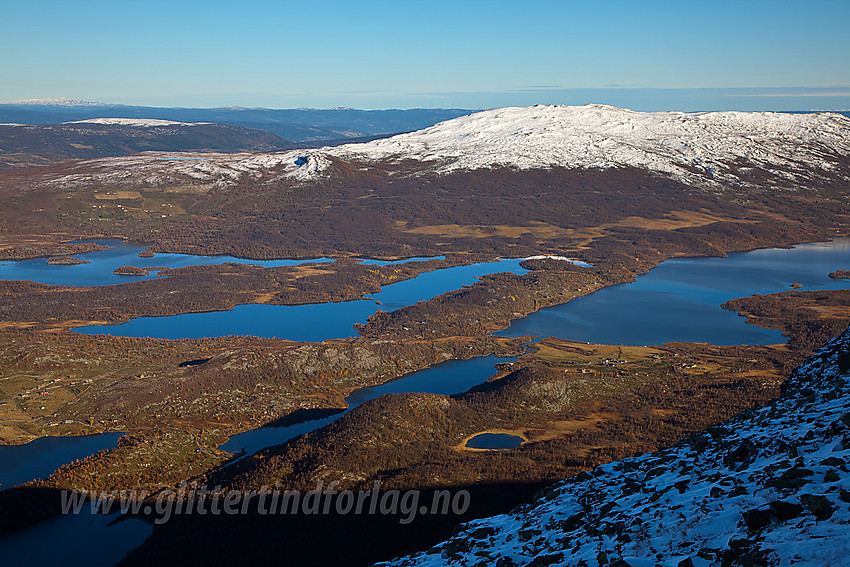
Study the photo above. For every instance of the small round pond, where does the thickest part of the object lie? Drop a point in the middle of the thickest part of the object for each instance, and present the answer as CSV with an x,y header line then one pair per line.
x,y
494,441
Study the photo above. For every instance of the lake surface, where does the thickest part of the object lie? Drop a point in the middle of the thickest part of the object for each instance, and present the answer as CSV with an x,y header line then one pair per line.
x,y
680,299
38,459
315,322
494,441
103,262
677,301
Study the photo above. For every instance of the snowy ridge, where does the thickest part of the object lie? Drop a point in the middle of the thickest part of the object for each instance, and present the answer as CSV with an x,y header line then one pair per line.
x,y
141,122
688,146
197,167
769,487
697,149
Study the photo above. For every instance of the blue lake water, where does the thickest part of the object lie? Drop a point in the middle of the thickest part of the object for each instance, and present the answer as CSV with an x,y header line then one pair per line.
x,y
37,459
680,299
677,301
316,322
99,271
494,441
104,262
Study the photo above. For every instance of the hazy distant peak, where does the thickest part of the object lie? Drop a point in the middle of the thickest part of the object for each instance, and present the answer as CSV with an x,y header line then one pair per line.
x,y
57,101
144,122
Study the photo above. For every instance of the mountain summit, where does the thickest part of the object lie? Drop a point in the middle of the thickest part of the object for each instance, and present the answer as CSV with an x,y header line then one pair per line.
x,y
688,146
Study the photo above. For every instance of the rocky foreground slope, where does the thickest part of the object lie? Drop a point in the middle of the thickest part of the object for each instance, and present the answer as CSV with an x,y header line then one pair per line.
x,y
769,487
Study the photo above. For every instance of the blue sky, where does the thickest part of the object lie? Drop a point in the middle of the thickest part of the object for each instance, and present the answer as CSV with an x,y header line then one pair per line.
x,y
646,55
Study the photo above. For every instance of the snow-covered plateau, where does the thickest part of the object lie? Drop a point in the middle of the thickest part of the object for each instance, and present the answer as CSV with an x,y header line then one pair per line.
x,y
769,487
685,145
140,122
710,149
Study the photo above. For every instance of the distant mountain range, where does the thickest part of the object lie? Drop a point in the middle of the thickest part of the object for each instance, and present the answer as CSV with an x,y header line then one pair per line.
x,y
30,145
57,101
298,125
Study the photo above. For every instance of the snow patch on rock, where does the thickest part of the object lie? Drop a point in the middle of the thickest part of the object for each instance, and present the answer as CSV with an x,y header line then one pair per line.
x,y
575,261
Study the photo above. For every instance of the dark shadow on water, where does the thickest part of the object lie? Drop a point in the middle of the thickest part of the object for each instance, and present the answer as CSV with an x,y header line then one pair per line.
x,y
303,415
302,539
33,531
22,506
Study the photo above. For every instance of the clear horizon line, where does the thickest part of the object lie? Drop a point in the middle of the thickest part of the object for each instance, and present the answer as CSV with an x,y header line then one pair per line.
x,y
823,91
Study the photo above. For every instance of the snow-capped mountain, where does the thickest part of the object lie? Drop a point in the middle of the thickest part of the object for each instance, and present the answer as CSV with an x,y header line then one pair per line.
x,y
714,149
770,487
688,146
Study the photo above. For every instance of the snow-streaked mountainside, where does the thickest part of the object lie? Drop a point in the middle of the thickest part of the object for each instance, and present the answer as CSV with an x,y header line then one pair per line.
x,y
141,122
684,145
769,487
219,169
715,149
